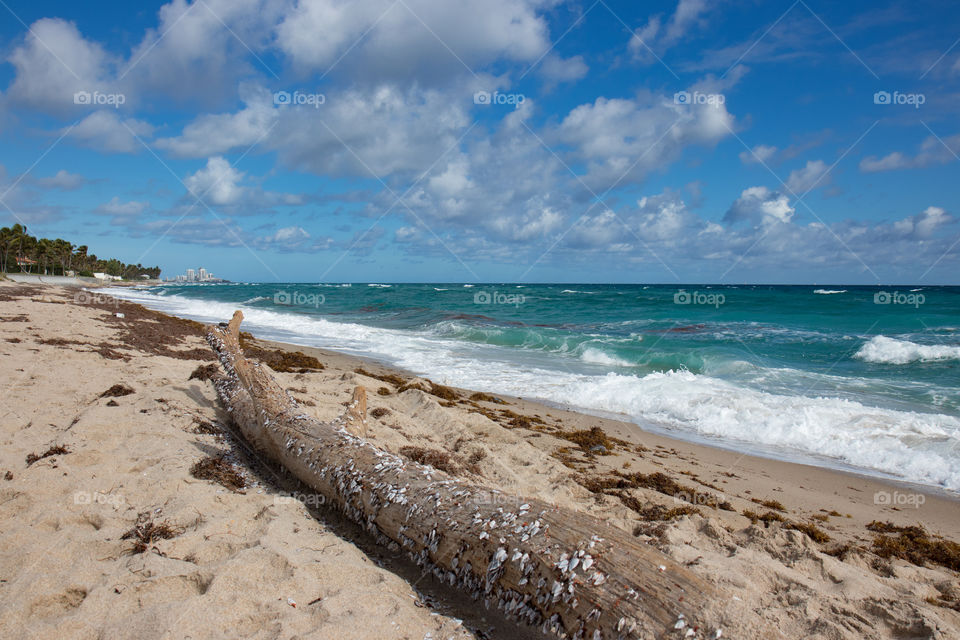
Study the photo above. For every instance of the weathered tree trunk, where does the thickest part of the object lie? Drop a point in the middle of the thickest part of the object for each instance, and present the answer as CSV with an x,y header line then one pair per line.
x,y
560,569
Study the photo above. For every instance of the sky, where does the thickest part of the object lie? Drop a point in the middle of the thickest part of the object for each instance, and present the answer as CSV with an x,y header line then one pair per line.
x,y
722,141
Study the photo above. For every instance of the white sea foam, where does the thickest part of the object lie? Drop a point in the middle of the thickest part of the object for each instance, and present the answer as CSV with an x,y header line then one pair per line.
x,y
827,292
257,299
884,350
919,447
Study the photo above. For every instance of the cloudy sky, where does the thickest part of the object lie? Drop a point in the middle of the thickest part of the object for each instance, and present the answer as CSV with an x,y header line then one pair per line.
x,y
490,140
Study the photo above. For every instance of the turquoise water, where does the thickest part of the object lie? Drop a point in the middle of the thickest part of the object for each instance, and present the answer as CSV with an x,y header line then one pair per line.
x,y
839,375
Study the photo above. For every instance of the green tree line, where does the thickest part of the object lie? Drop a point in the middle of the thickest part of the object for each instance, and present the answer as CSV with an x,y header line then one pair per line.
x,y
56,257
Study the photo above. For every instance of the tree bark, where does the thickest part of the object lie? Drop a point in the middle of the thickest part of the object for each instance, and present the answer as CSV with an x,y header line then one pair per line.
x,y
562,570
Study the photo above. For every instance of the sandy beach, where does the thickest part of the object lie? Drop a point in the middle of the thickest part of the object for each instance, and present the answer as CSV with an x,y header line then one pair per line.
x,y
131,509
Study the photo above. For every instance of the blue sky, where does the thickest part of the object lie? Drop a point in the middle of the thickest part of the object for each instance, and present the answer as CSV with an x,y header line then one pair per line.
x,y
692,141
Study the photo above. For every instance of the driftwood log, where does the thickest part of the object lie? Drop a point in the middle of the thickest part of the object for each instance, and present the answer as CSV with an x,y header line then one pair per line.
x,y
561,570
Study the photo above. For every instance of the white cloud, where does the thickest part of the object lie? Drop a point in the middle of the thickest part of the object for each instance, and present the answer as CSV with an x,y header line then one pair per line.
x,y
933,151
62,180
108,131
199,50
556,69
53,63
416,37
118,208
213,134
219,184
761,153
760,205
924,223
623,140
659,37
813,174
373,133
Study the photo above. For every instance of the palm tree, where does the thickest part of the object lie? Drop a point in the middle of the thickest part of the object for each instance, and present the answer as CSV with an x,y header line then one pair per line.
x,y
81,255
6,241
18,237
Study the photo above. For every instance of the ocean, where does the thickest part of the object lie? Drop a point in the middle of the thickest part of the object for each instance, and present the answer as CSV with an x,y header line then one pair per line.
x,y
850,377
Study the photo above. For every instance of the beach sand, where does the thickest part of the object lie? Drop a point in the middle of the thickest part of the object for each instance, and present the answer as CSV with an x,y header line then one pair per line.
x,y
205,560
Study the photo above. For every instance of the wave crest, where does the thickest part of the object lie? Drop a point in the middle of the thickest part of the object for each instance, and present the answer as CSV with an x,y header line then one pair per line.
x,y
884,350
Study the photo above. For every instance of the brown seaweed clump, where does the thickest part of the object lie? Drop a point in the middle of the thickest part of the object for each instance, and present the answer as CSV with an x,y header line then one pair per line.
x,y
205,372
146,532
220,471
389,378
57,450
117,391
769,504
277,359
486,397
914,544
431,457
593,440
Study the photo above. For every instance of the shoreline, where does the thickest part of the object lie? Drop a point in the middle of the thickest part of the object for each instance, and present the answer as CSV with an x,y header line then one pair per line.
x,y
853,487
773,537
750,450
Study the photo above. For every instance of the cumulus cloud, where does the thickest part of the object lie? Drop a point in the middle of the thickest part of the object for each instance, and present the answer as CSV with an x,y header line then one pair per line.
x,y
761,153
556,69
813,174
410,38
212,134
924,223
63,180
369,132
53,63
933,151
623,140
292,238
219,184
118,208
760,205
658,35
107,131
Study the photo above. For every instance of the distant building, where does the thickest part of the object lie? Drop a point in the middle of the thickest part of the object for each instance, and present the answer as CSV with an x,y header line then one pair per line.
x,y
196,275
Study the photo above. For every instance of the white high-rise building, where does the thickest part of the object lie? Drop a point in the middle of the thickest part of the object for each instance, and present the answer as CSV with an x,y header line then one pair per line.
x,y
191,275
202,273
